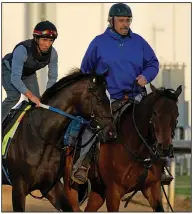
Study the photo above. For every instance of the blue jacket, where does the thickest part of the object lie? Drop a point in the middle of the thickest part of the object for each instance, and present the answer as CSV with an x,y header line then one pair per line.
x,y
123,59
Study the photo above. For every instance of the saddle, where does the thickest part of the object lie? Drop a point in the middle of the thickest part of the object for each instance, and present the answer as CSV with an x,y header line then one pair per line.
x,y
11,123
12,117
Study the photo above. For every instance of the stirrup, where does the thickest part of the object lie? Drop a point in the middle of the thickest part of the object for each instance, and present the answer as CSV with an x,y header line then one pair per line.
x,y
166,179
80,176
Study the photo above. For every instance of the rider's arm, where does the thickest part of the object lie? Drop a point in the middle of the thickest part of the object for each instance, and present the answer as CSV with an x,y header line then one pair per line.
x,y
89,61
92,60
19,58
53,68
150,63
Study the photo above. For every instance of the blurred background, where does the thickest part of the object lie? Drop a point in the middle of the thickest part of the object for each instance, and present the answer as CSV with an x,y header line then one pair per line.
x,y
165,26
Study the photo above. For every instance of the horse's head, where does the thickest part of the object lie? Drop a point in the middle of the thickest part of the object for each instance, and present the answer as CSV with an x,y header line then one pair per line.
x,y
164,118
95,105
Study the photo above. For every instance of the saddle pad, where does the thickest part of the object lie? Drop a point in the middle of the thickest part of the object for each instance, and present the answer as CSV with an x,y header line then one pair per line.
x,y
8,137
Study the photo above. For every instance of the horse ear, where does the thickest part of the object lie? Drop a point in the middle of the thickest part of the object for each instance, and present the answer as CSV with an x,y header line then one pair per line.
x,y
153,88
178,91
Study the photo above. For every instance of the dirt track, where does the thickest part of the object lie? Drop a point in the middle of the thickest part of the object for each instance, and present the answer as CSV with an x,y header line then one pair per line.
x,y
181,204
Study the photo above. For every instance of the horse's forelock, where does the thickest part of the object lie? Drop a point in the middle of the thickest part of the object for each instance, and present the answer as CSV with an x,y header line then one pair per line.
x,y
168,93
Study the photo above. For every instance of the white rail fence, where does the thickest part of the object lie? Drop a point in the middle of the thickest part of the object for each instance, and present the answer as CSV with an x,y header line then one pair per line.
x,y
179,165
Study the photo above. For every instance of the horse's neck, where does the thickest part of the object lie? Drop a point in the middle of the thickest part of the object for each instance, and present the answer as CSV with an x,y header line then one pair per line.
x,y
51,123
143,113
142,118
67,99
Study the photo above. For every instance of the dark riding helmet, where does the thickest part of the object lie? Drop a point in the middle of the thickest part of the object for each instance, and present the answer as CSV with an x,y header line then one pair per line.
x,y
120,9
45,29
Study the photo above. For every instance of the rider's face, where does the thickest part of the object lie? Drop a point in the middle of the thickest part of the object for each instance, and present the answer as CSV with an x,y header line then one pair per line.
x,y
122,24
45,44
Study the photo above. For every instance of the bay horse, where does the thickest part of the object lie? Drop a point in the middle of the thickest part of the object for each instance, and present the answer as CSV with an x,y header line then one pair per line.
x,y
135,160
34,158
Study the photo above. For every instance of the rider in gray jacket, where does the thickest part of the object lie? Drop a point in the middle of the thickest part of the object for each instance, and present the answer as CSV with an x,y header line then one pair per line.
x,y
19,67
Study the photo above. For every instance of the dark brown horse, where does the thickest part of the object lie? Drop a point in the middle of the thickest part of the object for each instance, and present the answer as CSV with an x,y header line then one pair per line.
x,y
34,157
128,164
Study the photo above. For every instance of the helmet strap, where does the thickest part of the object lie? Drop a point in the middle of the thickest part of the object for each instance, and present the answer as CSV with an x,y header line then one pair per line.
x,y
113,22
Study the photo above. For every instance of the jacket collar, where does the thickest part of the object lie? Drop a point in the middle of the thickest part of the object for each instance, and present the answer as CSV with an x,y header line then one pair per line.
x,y
117,36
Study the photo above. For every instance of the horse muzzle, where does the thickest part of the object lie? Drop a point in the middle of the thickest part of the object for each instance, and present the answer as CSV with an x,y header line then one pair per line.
x,y
168,152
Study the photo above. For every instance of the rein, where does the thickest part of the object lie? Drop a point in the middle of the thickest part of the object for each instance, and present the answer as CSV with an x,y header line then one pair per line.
x,y
82,121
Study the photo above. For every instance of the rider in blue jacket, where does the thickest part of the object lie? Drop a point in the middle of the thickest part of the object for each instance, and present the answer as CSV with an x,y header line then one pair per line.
x,y
19,67
126,58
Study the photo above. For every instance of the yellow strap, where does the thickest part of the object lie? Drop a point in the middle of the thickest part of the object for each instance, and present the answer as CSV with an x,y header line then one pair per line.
x,y
13,129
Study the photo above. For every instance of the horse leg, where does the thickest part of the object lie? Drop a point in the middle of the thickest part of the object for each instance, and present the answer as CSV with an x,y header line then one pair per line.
x,y
113,198
72,197
96,199
19,192
153,195
71,194
57,198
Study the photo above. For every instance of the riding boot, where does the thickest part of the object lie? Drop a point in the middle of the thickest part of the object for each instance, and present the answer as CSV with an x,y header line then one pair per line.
x,y
81,167
80,175
166,179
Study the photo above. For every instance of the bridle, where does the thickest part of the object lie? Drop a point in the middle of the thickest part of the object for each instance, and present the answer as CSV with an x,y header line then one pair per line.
x,y
147,162
94,124
152,151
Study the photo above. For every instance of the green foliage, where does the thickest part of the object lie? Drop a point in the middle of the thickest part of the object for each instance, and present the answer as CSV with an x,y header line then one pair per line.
x,y
183,185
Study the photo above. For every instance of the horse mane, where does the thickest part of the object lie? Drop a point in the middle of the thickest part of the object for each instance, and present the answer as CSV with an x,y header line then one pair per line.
x,y
74,76
167,92
160,92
